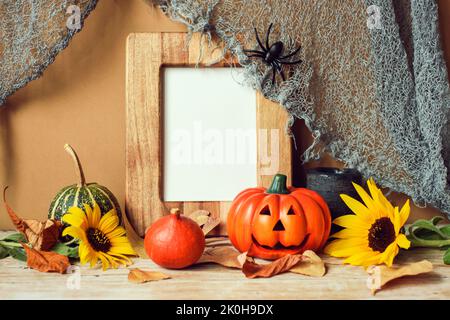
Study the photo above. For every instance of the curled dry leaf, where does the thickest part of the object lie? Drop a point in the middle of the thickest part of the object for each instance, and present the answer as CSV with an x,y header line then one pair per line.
x,y
225,256
310,265
210,225
217,241
46,261
141,276
204,220
380,275
42,235
284,264
199,216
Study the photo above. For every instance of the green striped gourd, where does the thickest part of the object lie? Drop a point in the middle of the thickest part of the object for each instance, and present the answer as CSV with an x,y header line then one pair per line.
x,y
77,195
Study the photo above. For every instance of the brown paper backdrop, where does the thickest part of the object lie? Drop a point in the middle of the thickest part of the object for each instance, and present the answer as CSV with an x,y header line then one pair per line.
x,y
81,100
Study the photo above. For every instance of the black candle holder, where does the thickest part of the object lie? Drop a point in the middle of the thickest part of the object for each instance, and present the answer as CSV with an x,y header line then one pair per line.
x,y
330,183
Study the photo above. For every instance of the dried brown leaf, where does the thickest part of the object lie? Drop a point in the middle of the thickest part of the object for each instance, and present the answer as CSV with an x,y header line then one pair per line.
x,y
310,265
380,275
210,225
225,256
217,241
141,276
200,216
42,235
46,261
284,264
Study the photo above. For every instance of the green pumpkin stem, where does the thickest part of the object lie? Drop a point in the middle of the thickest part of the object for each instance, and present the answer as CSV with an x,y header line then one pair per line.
x,y
77,163
279,185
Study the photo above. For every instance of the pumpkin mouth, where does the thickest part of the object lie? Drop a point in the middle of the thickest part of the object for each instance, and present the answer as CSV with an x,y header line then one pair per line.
x,y
281,247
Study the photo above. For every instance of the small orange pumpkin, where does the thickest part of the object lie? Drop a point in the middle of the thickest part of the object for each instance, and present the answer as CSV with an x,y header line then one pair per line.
x,y
174,241
272,223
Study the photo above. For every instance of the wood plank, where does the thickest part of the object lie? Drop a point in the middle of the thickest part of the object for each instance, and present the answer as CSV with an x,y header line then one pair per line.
x,y
215,282
143,137
147,55
274,145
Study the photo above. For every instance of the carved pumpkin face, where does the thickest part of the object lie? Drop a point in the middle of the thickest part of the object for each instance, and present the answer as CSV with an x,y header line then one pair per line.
x,y
272,223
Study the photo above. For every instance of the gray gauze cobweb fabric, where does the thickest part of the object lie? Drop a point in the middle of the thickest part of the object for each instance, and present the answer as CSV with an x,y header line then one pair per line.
x,y
374,95
32,33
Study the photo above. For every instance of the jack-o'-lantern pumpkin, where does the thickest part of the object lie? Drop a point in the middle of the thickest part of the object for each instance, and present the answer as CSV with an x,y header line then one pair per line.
x,y
272,223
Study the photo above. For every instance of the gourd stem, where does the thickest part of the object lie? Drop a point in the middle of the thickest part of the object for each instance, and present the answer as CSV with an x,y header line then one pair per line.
x,y
175,211
279,185
77,163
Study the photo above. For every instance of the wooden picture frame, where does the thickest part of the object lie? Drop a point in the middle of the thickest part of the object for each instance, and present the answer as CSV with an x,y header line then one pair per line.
x,y
147,54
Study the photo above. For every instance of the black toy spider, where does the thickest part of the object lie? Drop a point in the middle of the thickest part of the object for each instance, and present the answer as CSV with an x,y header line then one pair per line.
x,y
272,54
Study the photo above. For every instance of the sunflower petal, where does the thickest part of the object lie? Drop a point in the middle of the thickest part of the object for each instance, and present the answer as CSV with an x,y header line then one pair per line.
x,y
77,216
105,262
122,249
404,213
369,202
365,258
122,259
74,220
396,222
350,233
358,208
352,221
117,232
403,242
75,232
95,216
94,259
109,222
83,252
346,247
389,254
380,200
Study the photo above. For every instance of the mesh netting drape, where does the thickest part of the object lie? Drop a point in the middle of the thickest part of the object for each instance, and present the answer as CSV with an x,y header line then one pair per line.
x,y
32,33
375,97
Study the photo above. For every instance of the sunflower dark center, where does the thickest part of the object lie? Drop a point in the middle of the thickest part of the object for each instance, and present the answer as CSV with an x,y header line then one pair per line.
x,y
381,234
98,240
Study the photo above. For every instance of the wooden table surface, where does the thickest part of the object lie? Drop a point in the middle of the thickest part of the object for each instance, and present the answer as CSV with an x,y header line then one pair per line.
x,y
216,282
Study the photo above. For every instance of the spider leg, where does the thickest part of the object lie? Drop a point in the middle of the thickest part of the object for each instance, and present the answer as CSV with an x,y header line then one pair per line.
x,y
255,55
280,70
268,36
291,62
273,76
291,54
283,76
253,51
259,41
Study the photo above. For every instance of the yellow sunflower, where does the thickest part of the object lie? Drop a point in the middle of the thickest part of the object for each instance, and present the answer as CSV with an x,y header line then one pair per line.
x,y
372,235
100,238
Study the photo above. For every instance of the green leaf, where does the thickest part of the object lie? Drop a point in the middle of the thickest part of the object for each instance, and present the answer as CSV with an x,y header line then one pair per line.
x,y
446,230
15,237
428,225
18,253
427,235
436,220
3,252
65,250
447,256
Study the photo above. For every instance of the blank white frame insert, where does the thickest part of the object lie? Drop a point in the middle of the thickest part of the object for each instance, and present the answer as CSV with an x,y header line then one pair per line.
x,y
210,136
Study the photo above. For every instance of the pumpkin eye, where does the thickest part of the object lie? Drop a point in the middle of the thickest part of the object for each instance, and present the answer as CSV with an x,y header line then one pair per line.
x,y
291,212
265,211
